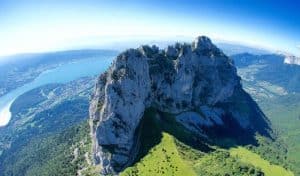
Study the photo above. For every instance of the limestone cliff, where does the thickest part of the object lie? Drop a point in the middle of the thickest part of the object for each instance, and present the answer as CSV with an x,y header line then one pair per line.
x,y
197,83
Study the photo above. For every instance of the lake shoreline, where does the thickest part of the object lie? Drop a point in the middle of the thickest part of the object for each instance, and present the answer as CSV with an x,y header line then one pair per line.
x,y
62,74
5,114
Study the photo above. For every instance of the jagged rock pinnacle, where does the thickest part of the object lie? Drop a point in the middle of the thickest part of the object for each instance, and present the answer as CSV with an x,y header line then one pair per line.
x,y
176,80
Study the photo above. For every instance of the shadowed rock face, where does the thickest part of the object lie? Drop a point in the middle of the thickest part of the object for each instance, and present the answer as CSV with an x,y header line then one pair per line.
x,y
182,79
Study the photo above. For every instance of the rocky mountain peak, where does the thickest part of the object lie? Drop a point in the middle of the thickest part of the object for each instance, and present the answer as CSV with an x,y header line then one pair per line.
x,y
197,83
202,42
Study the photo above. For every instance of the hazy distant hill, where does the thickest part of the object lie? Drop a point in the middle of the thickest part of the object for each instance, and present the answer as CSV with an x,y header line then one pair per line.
x,y
231,49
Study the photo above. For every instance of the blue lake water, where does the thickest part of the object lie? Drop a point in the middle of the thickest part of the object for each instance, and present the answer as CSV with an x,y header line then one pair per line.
x,y
62,74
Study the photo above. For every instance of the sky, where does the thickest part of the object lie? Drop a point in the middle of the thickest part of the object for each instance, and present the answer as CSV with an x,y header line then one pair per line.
x,y
37,26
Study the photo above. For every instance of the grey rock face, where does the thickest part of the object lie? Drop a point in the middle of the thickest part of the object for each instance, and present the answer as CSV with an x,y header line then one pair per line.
x,y
179,79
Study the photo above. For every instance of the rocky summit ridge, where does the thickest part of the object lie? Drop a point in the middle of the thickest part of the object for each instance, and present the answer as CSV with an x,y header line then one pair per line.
x,y
196,82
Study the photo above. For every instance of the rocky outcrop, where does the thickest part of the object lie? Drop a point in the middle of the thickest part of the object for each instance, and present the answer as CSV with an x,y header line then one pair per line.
x,y
182,79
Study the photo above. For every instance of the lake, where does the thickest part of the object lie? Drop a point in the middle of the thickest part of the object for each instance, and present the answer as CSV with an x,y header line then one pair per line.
x,y
61,74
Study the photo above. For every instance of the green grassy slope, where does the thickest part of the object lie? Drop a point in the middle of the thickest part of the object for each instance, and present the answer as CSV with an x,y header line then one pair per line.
x,y
171,157
163,159
268,169
284,112
165,153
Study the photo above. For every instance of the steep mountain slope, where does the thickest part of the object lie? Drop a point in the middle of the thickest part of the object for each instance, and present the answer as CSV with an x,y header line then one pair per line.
x,y
197,85
47,125
274,84
167,149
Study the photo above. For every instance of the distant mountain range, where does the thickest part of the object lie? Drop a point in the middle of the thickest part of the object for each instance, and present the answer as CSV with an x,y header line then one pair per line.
x,y
231,49
270,67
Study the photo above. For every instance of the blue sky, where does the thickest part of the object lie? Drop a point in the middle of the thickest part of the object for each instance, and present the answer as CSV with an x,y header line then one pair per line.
x,y
35,26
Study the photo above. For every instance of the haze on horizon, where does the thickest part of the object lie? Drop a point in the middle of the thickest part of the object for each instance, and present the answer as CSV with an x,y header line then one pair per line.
x,y
37,26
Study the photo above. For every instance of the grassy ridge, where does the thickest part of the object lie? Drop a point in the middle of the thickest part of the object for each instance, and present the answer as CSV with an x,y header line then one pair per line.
x,y
165,153
163,159
171,157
